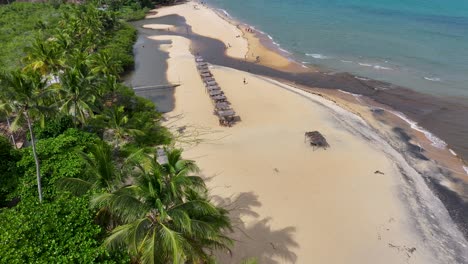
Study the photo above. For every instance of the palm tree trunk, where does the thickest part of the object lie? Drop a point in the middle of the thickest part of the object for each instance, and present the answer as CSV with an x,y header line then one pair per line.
x,y
36,159
12,136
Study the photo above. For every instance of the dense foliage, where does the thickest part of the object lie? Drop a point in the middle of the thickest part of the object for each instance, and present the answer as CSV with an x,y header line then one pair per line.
x,y
95,180
59,156
20,24
59,231
9,175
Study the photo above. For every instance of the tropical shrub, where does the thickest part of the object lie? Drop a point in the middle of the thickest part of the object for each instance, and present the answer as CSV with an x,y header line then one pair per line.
x,y
59,158
59,231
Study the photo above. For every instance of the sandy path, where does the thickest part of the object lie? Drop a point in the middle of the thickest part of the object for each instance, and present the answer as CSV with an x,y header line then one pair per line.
x,y
207,23
296,205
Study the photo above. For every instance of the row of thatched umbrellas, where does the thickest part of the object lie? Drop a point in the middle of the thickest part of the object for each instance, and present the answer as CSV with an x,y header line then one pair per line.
x,y
222,106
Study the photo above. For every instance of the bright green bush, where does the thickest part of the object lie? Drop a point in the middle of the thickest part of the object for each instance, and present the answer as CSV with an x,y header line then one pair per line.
x,y
60,231
59,158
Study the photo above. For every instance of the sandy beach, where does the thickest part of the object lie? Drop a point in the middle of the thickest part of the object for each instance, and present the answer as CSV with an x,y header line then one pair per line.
x,y
291,203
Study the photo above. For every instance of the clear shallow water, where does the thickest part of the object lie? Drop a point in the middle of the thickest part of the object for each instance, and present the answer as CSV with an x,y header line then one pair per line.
x,y
420,44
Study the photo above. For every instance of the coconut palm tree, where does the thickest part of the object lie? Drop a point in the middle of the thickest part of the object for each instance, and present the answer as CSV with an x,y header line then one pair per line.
x,y
76,94
104,63
25,95
101,172
115,119
166,215
43,56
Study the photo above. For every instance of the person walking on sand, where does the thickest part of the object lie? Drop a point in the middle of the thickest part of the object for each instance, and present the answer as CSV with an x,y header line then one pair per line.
x,y
245,81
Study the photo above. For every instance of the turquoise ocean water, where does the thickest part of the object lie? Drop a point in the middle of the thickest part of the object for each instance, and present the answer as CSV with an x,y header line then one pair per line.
x,y
419,44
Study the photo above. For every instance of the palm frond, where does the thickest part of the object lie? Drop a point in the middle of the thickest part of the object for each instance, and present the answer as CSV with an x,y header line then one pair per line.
x,y
74,185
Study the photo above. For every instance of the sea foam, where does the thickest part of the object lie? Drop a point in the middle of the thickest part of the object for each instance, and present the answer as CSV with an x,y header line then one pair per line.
x,y
433,79
453,152
436,142
361,78
376,66
225,12
317,56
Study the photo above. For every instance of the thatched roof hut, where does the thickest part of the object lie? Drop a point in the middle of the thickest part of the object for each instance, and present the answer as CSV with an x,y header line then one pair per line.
x,y
316,139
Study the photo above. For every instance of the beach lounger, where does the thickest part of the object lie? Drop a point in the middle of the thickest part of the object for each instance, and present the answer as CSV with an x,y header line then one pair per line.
x,y
211,83
219,98
205,71
222,106
226,113
199,60
213,88
215,92
208,79
205,75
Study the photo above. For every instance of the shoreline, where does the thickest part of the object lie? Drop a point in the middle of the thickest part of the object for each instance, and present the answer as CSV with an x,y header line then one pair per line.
x,y
205,121
429,140
297,66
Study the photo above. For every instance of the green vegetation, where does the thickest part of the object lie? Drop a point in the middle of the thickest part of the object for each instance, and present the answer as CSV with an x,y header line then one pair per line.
x,y
20,24
59,231
87,187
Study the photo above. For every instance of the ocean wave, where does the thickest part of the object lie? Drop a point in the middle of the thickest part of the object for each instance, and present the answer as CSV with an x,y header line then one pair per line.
x,y
433,79
435,141
346,61
353,94
317,56
376,66
453,152
285,51
466,169
361,78
225,12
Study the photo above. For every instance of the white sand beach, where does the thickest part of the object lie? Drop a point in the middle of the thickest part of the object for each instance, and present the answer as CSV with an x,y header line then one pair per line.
x,y
201,18
290,203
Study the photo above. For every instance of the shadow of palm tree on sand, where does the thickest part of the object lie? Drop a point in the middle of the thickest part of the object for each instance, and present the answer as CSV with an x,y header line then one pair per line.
x,y
255,237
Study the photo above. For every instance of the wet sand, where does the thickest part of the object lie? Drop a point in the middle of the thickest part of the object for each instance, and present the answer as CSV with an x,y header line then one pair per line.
x,y
299,205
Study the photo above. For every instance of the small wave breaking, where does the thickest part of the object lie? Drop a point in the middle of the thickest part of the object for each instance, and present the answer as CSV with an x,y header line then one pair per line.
x,y
452,152
361,78
225,13
376,66
435,141
317,56
433,79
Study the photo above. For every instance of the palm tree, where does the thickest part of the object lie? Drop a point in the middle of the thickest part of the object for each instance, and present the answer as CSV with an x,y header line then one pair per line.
x,y
116,119
24,94
101,175
166,214
105,64
101,172
43,56
76,94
